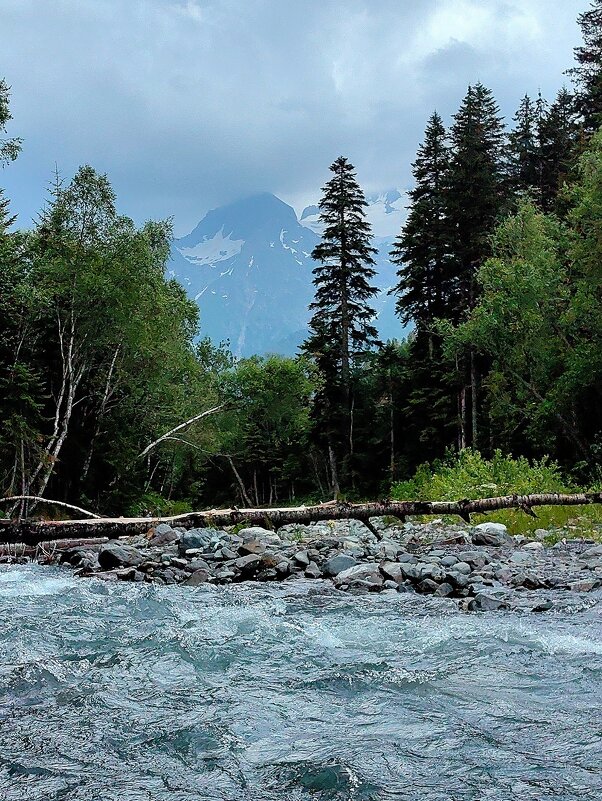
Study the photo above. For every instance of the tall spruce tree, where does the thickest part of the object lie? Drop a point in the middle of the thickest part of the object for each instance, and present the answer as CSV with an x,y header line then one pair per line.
x,y
587,75
424,294
476,186
524,148
341,328
421,251
476,194
558,139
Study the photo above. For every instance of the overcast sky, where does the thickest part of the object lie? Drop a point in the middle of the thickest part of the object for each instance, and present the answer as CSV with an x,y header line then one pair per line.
x,y
188,104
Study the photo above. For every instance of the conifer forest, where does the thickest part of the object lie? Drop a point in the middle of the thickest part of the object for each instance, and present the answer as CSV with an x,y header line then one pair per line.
x,y
112,400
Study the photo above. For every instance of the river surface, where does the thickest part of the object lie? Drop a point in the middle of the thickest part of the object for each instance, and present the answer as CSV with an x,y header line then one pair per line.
x,y
122,692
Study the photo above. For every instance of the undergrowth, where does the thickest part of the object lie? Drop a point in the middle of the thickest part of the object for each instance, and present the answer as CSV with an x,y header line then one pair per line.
x,y
469,475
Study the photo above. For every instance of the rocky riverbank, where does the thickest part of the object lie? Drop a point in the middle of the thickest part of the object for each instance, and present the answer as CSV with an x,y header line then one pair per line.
x,y
482,566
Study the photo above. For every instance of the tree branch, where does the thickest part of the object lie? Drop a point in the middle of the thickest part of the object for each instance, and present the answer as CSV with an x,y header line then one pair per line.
x,y
168,434
49,503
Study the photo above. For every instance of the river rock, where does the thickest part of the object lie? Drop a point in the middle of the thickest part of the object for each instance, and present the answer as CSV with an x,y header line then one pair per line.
x,y
196,538
313,571
302,558
585,585
106,575
476,559
252,546
459,580
428,587
522,558
434,572
494,535
366,573
114,554
248,564
483,602
162,535
444,590
592,553
261,534
393,571
336,564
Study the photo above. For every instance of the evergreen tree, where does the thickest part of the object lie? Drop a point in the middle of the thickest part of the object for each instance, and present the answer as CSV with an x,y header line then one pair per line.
x,y
476,195
558,137
523,148
9,148
341,328
587,75
425,294
475,186
421,251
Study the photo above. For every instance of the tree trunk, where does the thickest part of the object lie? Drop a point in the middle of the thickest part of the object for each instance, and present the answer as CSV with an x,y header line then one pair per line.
x,y
334,475
474,401
462,419
31,533
391,435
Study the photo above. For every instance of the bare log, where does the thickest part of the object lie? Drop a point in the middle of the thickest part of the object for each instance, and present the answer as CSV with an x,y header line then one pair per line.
x,y
49,502
32,533
51,546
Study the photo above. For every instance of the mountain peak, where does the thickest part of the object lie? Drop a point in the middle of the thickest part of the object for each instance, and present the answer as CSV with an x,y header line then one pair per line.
x,y
243,218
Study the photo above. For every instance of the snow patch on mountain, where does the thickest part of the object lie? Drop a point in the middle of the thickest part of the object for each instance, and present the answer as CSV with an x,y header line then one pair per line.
x,y
214,249
386,213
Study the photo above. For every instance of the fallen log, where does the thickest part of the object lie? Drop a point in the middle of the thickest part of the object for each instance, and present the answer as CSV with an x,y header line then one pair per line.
x,y
32,533
51,546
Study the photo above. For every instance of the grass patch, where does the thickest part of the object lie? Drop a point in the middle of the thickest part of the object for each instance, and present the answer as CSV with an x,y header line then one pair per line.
x,y
469,475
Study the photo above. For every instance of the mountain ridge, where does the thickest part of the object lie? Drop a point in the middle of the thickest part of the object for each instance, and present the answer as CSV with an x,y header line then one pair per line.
x,y
248,266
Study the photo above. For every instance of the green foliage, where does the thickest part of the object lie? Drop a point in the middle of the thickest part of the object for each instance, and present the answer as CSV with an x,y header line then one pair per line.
x,y
9,148
151,504
469,475
587,74
262,436
422,251
341,330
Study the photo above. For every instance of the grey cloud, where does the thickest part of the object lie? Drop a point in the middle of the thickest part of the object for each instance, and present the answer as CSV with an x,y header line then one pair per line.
x,y
190,104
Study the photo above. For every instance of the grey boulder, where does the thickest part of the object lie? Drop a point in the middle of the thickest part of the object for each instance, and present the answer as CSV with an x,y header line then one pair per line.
x,y
336,564
113,554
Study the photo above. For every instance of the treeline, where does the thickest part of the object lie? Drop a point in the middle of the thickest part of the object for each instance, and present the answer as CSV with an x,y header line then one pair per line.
x,y
499,273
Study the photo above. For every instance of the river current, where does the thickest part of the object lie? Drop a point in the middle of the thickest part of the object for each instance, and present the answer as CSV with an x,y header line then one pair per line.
x,y
123,692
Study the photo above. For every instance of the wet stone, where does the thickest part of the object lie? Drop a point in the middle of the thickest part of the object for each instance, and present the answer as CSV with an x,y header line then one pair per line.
x,y
197,578
114,554
336,564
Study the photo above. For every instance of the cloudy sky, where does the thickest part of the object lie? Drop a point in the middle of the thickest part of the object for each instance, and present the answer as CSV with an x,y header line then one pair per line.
x,y
188,104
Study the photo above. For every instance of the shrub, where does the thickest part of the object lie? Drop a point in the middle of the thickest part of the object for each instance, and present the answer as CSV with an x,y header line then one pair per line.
x,y
469,475
152,504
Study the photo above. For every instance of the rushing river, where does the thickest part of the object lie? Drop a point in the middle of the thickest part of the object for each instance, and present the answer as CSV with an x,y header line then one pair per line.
x,y
294,691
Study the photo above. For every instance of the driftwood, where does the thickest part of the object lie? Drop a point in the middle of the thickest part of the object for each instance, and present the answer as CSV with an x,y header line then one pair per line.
x,y
32,533
50,547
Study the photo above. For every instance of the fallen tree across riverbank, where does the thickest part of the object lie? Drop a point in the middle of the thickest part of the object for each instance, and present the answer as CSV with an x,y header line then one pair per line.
x,y
28,532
